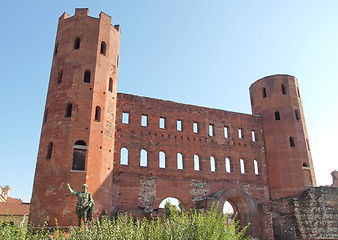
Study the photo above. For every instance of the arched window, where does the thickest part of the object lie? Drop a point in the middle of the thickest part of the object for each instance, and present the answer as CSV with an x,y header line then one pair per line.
x,y
86,77
228,166
297,114
256,167
110,85
97,114
60,75
124,156
77,42
283,89
212,164
46,115
196,163
305,165
242,165
143,158
179,161
103,48
264,93
292,142
49,151
79,155
69,110
277,116
298,94
162,159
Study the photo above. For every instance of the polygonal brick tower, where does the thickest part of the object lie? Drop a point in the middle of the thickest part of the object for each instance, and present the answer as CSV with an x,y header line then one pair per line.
x,y
77,136
289,164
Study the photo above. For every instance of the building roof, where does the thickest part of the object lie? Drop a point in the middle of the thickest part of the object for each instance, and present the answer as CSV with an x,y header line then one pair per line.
x,y
14,207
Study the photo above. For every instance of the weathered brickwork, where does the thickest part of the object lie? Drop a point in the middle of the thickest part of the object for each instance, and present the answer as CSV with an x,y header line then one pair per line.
x,y
133,152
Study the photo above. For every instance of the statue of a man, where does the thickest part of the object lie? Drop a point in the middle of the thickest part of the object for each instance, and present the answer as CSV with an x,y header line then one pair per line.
x,y
85,204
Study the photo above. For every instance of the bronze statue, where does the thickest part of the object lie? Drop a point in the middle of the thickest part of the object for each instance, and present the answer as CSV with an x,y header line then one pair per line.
x,y
85,204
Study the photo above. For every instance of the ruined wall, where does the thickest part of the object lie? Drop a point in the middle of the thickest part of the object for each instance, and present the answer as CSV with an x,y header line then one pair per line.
x,y
144,187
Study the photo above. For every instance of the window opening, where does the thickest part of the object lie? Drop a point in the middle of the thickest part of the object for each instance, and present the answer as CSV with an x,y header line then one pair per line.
x,y
305,165
241,161
307,144
69,110
256,167
56,49
211,130
298,92
79,155
97,114
124,156
264,93
77,42
49,151
103,48
297,114
60,77
144,120
240,135
179,161
212,164
277,116
162,123
46,115
125,118
172,201
179,125
162,159
110,85
292,142
196,163
195,127
283,89
86,77
143,158
228,165
226,132
253,135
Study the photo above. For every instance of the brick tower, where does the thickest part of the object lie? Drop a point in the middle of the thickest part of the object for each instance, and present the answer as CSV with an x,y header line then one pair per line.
x,y
289,165
77,136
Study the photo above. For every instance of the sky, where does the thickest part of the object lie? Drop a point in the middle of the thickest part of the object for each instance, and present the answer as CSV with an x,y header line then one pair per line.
x,y
204,53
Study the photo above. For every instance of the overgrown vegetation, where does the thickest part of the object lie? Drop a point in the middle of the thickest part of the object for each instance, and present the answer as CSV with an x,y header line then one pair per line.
x,y
177,225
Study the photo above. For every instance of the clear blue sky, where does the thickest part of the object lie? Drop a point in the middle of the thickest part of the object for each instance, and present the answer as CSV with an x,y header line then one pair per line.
x,y
198,52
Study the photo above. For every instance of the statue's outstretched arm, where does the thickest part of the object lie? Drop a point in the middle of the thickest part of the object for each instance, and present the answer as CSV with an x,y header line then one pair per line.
x,y
70,189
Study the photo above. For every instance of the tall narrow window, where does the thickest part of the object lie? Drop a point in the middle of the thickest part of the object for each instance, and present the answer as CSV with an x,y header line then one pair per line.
x,y
264,93
60,75
124,156
77,42
49,151
283,89
56,49
110,85
226,132
277,116
143,158
125,118
211,130
196,163
212,164
253,135
79,155
162,122
69,110
97,114
307,144
162,159
86,77
298,92
103,48
242,165
228,167
195,127
292,142
46,115
179,161
297,114
256,167
240,134
144,120
179,125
